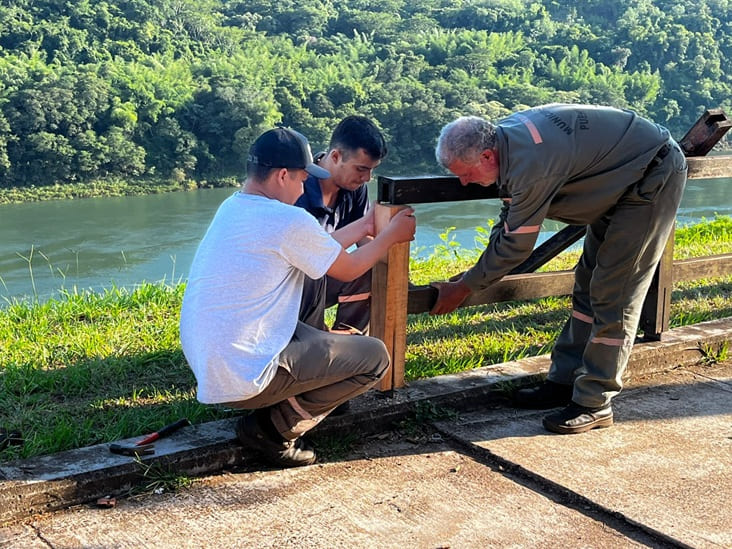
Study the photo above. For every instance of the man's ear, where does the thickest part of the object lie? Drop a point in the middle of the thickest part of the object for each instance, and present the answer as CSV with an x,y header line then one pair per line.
x,y
277,179
489,157
336,155
282,176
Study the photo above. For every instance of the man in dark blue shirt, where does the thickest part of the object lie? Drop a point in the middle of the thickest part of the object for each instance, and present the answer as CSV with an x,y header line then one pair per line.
x,y
355,149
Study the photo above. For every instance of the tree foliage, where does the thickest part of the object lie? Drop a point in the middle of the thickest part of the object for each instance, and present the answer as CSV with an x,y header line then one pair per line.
x,y
177,89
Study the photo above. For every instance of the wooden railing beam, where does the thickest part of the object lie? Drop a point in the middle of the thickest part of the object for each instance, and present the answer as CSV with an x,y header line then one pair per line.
x,y
551,248
428,189
557,283
709,167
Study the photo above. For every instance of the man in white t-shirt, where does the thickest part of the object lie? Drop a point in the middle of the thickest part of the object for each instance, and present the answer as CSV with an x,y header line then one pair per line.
x,y
240,327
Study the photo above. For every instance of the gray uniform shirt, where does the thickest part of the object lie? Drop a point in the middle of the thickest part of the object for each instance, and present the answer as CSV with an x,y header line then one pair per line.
x,y
571,163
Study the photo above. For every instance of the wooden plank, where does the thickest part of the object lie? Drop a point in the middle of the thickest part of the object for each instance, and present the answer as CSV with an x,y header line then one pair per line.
x,y
389,290
556,283
429,188
712,266
709,167
381,324
510,288
399,285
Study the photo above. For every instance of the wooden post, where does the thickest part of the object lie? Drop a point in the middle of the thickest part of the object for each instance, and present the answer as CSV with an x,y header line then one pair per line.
x,y
389,287
656,312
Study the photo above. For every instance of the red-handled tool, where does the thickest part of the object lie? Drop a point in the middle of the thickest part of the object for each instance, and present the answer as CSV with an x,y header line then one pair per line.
x,y
165,431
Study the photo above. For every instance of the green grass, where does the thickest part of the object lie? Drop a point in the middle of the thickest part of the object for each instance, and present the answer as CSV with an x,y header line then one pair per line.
x,y
91,368
88,368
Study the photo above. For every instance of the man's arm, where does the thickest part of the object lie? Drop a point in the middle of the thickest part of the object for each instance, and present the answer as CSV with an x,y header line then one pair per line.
x,y
491,265
349,266
359,231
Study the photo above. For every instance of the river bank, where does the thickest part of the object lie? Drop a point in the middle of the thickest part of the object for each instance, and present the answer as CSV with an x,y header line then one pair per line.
x,y
106,188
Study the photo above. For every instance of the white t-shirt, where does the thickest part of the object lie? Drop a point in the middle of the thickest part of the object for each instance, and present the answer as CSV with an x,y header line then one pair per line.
x,y
242,299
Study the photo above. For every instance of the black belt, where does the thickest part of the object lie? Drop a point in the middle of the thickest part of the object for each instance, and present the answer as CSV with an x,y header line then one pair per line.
x,y
660,155
663,152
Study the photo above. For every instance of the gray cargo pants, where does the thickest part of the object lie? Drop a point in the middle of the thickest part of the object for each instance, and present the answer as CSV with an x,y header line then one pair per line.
x,y
619,258
317,371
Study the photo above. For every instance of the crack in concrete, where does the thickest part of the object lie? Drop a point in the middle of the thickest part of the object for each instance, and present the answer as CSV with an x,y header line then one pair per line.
x,y
722,384
562,495
41,537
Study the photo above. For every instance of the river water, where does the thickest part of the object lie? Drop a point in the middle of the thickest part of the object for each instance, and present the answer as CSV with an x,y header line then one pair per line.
x,y
122,241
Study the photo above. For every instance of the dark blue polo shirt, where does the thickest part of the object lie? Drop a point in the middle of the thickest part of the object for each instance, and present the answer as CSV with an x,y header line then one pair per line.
x,y
349,206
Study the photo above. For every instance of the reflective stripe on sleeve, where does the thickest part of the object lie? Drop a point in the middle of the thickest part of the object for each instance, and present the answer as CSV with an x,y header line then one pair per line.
x,y
522,230
533,130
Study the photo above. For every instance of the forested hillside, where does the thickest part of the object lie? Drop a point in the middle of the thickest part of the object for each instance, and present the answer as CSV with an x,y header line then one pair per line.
x,y
177,89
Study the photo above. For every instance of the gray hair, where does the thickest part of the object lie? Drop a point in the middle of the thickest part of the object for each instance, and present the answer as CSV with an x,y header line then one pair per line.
x,y
464,139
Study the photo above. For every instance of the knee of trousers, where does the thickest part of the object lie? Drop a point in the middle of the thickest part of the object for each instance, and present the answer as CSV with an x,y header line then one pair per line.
x,y
377,354
361,355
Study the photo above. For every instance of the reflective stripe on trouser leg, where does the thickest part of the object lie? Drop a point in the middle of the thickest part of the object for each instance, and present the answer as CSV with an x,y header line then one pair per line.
x,y
627,245
353,299
569,348
570,345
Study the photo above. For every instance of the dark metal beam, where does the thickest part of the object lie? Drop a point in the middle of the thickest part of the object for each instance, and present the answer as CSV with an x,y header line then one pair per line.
x,y
705,133
551,248
429,188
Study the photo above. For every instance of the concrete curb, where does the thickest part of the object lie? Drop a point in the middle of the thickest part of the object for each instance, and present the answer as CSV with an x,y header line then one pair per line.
x,y
54,482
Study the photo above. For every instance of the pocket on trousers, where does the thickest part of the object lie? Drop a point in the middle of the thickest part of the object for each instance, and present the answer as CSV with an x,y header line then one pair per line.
x,y
647,188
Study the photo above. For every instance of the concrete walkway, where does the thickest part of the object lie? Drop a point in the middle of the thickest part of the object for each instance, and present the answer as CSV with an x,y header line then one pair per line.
x,y
487,477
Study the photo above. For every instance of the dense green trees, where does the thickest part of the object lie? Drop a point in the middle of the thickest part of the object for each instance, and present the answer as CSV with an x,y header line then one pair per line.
x,y
177,89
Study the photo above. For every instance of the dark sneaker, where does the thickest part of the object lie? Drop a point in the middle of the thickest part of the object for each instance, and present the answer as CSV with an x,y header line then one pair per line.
x,y
578,419
544,396
285,453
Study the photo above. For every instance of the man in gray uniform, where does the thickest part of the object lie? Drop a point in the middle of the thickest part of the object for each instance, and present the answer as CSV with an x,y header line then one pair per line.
x,y
609,169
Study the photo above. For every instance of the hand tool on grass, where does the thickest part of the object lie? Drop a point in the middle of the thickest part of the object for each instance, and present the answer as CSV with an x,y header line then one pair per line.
x,y
146,446
165,431
122,450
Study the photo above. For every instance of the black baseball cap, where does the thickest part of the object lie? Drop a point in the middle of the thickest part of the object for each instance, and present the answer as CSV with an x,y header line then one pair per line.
x,y
285,148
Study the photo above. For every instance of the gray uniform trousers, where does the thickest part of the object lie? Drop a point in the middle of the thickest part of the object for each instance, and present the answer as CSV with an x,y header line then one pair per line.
x,y
619,258
317,371
353,299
